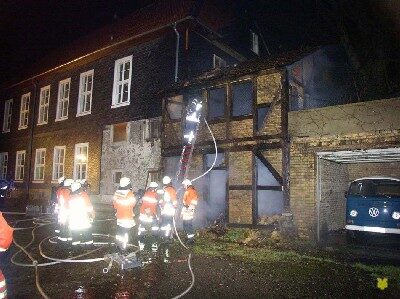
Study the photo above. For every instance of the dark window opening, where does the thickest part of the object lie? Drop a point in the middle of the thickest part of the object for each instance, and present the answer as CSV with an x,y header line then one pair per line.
x,y
174,107
242,98
120,132
261,114
117,175
216,103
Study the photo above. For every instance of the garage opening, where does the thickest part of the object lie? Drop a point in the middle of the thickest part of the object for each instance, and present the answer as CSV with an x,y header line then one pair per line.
x,y
335,171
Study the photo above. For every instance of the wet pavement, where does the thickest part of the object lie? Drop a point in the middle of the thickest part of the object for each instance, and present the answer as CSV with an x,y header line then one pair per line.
x,y
165,272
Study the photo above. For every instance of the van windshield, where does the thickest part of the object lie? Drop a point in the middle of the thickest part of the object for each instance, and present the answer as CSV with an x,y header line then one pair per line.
x,y
387,188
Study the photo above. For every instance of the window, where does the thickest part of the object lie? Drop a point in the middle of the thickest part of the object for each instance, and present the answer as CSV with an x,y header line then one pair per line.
x,y
242,98
20,166
117,175
119,132
261,114
85,93
152,129
24,111
218,62
7,116
81,161
174,107
254,43
58,162
122,82
63,99
269,191
43,116
216,103
40,158
3,165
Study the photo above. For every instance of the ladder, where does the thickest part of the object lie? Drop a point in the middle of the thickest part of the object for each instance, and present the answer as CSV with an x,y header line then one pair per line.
x,y
191,127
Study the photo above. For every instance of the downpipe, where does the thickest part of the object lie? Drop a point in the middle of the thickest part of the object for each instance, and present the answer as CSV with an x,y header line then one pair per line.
x,y
176,53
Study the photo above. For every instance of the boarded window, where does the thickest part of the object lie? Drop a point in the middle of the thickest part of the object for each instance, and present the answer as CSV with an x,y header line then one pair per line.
x,y
242,98
261,114
153,129
174,107
216,103
120,132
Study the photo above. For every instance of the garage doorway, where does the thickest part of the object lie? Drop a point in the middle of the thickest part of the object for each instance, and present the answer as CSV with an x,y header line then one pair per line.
x,y
335,171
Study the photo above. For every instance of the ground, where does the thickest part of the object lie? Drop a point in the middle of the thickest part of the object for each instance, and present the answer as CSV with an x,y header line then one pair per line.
x,y
234,265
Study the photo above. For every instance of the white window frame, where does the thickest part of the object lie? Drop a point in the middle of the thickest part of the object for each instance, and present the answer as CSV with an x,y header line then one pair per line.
x,y
77,162
24,111
117,83
38,164
44,102
218,62
3,165
20,167
255,46
85,94
57,164
63,100
7,116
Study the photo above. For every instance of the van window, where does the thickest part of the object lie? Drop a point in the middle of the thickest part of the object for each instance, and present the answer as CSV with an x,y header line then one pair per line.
x,y
388,188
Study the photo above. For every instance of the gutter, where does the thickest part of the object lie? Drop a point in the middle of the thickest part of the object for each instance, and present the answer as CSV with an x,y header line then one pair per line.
x,y
103,49
176,53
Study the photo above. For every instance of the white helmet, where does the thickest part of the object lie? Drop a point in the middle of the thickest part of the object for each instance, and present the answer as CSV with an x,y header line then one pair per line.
x,y
124,181
68,182
153,185
166,180
187,182
61,179
75,186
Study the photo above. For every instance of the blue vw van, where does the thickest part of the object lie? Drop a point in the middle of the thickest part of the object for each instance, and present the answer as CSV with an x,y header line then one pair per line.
x,y
373,205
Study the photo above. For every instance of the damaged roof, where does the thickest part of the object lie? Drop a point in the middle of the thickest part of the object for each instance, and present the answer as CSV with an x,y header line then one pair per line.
x,y
148,19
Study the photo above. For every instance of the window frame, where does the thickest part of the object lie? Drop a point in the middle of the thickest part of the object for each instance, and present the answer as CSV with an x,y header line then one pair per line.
x,y
78,145
56,148
3,166
24,111
224,116
220,60
83,94
62,100
17,167
39,151
114,103
7,118
45,106
231,92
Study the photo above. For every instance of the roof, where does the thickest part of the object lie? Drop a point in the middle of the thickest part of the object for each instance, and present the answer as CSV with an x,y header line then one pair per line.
x,y
378,178
147,19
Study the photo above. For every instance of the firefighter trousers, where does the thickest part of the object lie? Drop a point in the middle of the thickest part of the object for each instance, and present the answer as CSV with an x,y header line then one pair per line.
x,y
122,236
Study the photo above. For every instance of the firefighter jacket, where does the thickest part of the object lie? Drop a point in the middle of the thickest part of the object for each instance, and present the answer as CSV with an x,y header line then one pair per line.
x,y
124,202
168,202
190,199
63,195
148,209
81,212
6,234
3,286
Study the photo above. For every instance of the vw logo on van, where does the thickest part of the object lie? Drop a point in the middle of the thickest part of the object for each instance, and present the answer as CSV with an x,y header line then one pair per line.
x,y
373,212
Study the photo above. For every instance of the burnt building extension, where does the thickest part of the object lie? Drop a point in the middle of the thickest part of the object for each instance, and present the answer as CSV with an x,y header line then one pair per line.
x,y
90,111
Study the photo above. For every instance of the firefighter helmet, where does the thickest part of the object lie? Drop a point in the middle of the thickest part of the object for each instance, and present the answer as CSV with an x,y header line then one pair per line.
x,y
61,179
153,185
75,186
124,181
166,180
187,182
68,182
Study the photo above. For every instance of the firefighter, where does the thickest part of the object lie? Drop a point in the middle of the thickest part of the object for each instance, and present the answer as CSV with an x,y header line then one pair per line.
x,y
63,195
168,205
81,215
54,189
190,199
124,203
148,210
6,237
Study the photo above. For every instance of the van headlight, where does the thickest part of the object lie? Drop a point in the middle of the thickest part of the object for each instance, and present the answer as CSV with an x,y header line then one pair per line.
x,y
396,215
353,213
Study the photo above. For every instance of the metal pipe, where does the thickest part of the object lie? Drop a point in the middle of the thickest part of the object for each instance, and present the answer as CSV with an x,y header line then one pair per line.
x,y
104,48
318,203
176,53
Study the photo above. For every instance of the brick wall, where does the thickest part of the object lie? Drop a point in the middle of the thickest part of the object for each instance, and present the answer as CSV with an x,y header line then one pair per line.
x,y
391,169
